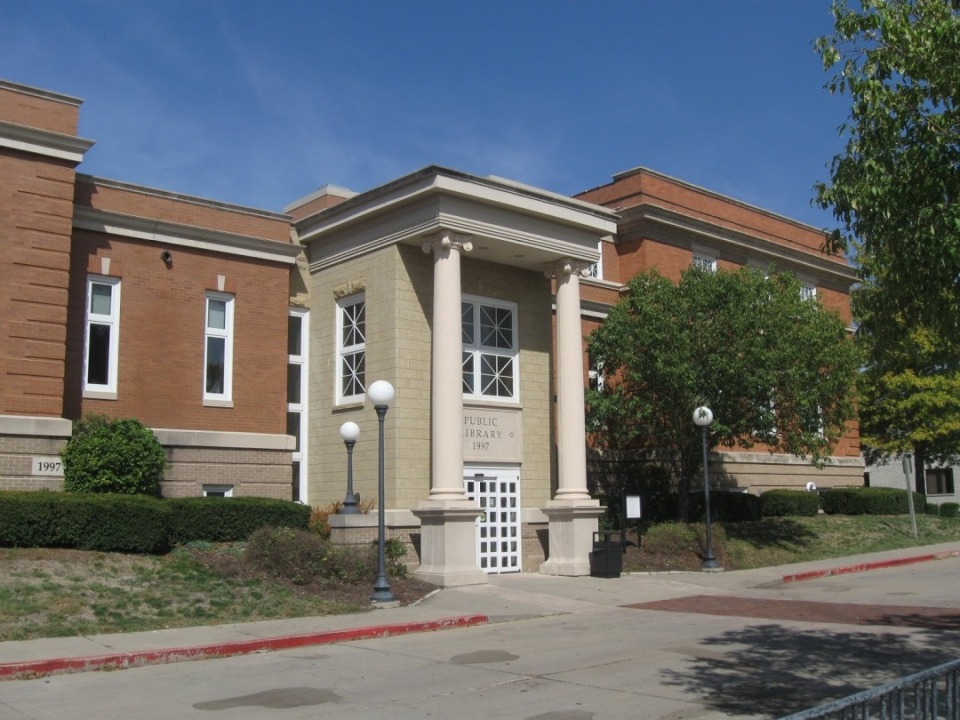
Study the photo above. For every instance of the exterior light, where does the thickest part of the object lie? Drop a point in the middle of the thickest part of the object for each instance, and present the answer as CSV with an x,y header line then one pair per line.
x,y
702,418
350,431
381,394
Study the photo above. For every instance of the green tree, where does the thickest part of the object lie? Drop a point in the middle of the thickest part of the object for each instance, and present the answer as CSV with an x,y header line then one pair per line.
x,y
774,368
909,390
895,187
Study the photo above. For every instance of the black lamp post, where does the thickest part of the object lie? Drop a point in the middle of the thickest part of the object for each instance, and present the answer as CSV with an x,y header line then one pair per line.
x,y
702,417
350,431
381,394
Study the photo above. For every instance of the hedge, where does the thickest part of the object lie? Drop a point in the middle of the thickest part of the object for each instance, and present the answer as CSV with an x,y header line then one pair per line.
x,y
104,522
137,524
870,501
949,510
220,519
782,503
724,506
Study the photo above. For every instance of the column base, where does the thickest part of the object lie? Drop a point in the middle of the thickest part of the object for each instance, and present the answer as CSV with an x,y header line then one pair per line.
x,y
448,544
571,529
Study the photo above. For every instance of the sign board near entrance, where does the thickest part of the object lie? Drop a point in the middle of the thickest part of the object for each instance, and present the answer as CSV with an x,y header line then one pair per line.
x,y
492,435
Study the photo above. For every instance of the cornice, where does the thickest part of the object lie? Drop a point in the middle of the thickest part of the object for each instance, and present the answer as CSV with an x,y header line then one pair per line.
x,y
684,228
43,142
167,233
180,197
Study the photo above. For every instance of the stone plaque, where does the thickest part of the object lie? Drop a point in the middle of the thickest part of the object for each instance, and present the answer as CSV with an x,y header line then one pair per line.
x,y
49,465
492,435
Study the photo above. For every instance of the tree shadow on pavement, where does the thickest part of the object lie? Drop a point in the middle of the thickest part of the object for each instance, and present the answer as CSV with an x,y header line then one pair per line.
x,y
772,670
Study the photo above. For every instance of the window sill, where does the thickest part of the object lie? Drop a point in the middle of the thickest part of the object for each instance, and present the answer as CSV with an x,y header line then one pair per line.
x,y
99,395
217,403
492,403
349,405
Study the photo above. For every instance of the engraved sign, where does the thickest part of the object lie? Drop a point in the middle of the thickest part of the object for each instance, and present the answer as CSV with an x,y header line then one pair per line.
x,y
492,435
49,465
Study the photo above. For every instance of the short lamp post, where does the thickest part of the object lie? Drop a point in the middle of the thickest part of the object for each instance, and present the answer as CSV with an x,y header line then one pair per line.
x,y
350,431
381,394
702,417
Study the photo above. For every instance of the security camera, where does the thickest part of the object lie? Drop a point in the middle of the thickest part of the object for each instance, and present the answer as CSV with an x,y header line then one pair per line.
x,y
166,257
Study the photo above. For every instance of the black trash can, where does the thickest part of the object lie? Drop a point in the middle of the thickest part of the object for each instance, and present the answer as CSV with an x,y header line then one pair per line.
x,y
606,560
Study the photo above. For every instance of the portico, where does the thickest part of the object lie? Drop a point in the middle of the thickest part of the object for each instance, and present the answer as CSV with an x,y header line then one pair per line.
x,y
453,272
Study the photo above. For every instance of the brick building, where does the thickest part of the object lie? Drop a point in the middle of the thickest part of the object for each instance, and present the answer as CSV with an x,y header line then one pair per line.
x,y
246,338
668,224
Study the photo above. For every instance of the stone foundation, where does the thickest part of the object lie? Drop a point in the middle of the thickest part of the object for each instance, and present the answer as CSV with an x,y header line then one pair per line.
x,y
24,439
240,464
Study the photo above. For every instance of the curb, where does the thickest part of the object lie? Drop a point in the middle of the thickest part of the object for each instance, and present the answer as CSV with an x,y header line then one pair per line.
x,y
123,660
862,567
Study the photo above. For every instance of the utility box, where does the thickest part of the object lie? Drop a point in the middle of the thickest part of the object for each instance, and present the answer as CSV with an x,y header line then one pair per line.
x,y
606,560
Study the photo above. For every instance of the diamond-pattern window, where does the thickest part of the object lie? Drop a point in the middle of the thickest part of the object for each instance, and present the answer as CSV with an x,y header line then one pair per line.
x,y
352,348
490,349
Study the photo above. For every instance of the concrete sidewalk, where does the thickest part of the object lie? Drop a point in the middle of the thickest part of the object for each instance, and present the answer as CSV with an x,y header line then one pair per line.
x,y
505,598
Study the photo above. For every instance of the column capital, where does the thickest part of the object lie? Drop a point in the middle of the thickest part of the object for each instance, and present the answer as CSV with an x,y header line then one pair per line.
x,y
447,240
567,266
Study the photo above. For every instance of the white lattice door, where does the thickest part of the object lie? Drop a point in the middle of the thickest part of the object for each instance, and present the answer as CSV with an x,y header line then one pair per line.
x,y
498,527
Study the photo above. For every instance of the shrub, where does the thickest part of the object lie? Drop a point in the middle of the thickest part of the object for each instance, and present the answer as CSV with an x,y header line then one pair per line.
x,y
949,510
112,456
220,519
782,503
870,501
394,551
933,509
104,522
302,557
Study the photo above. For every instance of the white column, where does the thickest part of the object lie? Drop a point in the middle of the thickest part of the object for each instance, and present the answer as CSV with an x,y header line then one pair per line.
x,y
448,543
572,452
446,479
572,514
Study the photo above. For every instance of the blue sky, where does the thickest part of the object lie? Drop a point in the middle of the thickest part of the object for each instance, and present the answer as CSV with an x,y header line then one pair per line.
x,y
260,103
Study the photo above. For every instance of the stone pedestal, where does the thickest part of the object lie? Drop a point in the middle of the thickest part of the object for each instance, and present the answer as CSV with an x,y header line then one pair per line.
x,y
571,537
448,544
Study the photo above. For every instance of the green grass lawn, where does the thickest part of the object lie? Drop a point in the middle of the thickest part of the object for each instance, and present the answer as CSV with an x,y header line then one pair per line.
x,y
50,592
781,541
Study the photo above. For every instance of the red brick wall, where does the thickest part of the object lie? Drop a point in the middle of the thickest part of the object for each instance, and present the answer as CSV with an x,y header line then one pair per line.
x,y
645,187
36,211
24,106
160,375
174,208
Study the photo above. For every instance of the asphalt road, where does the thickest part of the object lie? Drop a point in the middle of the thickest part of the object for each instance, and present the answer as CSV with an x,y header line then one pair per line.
x,y
690,646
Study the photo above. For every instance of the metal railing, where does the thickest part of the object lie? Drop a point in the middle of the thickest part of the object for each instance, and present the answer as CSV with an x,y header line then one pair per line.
x,y
928,695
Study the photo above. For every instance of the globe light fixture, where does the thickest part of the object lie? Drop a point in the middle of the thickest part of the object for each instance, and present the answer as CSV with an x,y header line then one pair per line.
x,y
702,418
381,394
350,431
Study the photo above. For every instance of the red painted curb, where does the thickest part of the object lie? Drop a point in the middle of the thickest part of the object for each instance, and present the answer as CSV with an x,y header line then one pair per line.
x,y
119,661
878,565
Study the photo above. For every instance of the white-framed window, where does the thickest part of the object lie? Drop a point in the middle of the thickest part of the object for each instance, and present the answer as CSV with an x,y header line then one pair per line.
x,y
218,490
808,291
596,269
595,375
351,348
297,345
101,341
218,348
704,261
490,358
